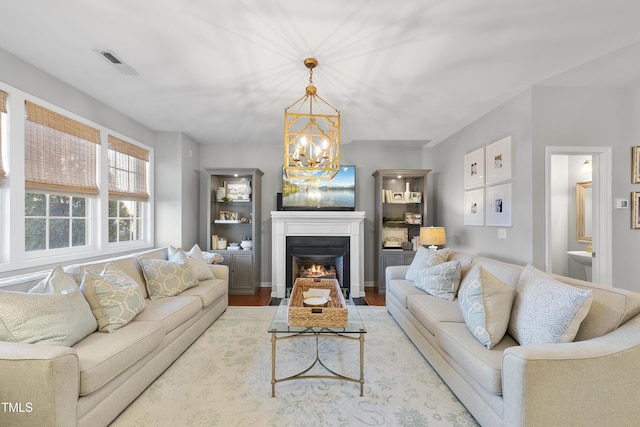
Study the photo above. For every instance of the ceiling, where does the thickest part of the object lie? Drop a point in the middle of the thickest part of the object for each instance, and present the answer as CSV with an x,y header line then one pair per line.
x,y
222,71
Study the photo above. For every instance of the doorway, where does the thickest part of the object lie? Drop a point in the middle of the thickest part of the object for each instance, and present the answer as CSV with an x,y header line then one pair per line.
x,y
600,211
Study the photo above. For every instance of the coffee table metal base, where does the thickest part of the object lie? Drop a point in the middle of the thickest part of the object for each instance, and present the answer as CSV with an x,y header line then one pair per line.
x,y
315,333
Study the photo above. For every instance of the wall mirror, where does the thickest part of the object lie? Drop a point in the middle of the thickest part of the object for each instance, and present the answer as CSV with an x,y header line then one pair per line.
x,y
583,212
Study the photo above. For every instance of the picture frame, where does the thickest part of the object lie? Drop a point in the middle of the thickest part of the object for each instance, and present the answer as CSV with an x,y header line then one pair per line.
x,y
498,205
635,210
416,197
474,207
224,215
397,197
635,165
498,160
238,190
412,218
474,168
233,216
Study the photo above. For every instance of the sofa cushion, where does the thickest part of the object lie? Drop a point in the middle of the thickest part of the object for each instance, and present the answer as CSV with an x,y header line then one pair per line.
x,y
430,311
114,297
196,261
546,311
486,305
440,280
104,356
53,312
424,258
171,312
484,365
167,278
208,291
401,289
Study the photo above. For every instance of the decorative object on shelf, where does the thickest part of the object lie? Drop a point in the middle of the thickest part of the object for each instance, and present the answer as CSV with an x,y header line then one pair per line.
x,y
433,237
499,205
407,246
412,218
214,242
224,215
416,197
233,216
474,207
635,172
311,135
238,191
225,199
474,168
234,246
222,243
407,192
392,238
397,197
499,160
221,193
635,210
246,242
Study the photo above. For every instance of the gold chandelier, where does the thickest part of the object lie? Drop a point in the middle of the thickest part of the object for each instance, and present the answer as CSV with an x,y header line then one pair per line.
x,y
311,137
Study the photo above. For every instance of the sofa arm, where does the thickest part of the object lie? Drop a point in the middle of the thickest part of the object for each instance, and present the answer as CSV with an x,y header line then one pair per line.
x,y
582,383
39,384
395,272
220,271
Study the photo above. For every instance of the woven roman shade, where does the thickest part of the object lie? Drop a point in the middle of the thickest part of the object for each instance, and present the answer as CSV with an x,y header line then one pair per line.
x,y
60,153
127,171
3,109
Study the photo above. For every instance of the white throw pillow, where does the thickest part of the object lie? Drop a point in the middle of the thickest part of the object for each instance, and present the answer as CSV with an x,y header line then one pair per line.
x,y
546,311
52,312
440,280
423,259
167,278
196,261
114,297
486,305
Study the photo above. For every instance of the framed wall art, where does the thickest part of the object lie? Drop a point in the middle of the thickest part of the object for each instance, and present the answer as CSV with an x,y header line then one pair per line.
x,y
238,191
635,168
635,210
498,161
474,168
474,207
498,206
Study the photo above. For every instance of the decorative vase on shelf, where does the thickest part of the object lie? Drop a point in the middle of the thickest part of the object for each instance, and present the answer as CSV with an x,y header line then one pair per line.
x,y
407,193
246,244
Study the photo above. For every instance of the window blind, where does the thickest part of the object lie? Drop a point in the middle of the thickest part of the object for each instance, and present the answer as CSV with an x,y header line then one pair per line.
x,y
60,153
3,109
127,171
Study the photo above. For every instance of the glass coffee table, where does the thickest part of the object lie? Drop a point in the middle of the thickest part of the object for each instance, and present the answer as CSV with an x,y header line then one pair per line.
x,y
280,330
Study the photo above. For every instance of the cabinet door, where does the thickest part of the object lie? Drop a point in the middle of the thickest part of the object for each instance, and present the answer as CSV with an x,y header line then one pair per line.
x,y
241,274
389,258
408,257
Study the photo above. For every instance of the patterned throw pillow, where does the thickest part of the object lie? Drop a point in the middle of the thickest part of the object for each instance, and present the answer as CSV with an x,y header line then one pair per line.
x,y
424,258
486,305
196,261
114,297
440,280
167,278
546,311
53,312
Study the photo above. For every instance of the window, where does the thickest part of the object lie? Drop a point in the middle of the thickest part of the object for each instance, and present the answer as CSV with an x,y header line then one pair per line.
x,y
54,222
3,113
128,191
60,179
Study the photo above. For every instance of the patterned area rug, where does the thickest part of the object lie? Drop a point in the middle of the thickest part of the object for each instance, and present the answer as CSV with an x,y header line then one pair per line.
x,y
224,379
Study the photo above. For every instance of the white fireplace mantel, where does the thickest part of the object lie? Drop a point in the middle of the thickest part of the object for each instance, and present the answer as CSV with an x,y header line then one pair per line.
x,y
317,223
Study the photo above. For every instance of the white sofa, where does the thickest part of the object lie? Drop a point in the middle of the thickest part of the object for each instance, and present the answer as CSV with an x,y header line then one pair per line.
x,y
592,381
91,382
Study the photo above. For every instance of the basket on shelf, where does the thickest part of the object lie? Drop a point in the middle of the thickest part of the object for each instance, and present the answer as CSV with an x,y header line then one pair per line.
x,y
334,315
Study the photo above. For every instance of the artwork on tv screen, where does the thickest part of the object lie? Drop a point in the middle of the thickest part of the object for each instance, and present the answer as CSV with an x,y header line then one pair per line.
x,y
336,194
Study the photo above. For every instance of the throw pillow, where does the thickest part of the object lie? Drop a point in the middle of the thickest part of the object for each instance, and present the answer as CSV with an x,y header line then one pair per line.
x,y
167,278
53,312
196,262
424,258
486,305
546,311
440,280
114,297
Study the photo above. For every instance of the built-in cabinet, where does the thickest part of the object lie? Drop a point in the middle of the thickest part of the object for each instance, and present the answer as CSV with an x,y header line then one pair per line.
x,y
400,211
230,213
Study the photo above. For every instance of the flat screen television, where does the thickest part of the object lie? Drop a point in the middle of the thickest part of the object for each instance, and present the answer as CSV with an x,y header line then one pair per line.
x,y
336,194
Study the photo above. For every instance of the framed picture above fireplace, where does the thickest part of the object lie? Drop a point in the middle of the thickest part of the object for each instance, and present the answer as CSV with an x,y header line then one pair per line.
x,y
336,194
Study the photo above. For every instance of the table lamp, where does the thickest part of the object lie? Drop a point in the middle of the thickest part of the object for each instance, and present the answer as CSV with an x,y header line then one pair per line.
x,y
432,236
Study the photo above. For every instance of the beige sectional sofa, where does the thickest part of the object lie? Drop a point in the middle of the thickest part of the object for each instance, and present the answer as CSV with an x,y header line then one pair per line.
x,y
92,381
592,381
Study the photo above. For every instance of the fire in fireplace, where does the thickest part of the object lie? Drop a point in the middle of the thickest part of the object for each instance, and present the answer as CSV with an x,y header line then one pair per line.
x,y
318,257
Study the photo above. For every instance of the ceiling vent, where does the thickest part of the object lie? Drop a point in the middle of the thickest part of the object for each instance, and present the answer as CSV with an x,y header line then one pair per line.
x,y
117,63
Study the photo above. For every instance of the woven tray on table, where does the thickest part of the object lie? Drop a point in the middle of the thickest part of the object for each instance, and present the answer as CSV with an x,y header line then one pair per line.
x,y
334,315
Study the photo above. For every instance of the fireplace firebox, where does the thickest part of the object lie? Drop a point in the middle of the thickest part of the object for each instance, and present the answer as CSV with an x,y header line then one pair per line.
x,y
318,257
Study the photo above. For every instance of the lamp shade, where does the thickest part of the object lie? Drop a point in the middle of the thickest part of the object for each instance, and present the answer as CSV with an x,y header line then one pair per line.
x,y
432,236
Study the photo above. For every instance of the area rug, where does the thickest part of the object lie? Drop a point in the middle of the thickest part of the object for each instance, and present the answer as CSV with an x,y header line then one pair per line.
x,y
224,379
